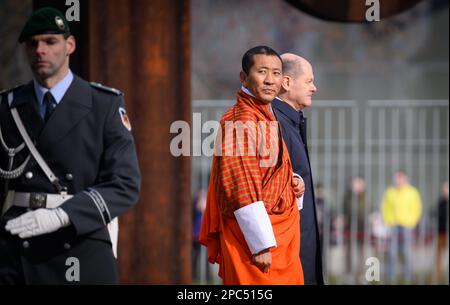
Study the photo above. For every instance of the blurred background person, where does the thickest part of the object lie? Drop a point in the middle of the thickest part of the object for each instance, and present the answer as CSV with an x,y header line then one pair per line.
x,y
199,263
320,208
401,209
442,245
354,221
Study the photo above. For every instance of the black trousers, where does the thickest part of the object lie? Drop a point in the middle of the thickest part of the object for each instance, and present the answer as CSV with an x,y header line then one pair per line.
x,y
40,263
11,272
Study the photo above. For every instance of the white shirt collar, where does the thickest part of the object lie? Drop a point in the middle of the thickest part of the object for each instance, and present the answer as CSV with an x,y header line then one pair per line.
x,y
246,91
249,93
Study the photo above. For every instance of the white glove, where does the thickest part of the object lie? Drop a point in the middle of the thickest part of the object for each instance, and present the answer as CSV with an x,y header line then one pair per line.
x,y
38,222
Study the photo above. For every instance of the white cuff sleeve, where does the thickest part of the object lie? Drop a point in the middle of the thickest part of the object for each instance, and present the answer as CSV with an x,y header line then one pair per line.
x,y
113,229
256,226
300,202
297,175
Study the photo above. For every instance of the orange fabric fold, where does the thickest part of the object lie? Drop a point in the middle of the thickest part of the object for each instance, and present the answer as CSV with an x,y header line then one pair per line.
x,y
237,181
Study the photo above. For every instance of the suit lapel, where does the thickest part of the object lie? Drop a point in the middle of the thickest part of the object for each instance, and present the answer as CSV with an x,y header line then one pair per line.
x,y
26,103
303,133
76,103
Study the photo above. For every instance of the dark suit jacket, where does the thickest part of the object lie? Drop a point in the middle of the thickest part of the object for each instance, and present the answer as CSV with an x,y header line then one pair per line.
x,y
294,135
90,150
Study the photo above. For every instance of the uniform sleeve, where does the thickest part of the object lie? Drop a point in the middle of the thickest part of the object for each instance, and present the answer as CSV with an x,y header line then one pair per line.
x,y
118,181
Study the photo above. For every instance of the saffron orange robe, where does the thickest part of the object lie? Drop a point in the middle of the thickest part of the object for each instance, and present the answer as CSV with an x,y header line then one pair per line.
x,y
237,181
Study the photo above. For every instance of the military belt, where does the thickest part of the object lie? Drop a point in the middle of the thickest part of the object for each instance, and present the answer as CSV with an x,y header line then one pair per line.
x,y
34,200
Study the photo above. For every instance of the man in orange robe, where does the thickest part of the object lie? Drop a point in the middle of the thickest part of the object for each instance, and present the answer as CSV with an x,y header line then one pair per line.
x,y
251,222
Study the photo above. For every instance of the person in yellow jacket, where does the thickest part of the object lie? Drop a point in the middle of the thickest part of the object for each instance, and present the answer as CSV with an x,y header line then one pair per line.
x,y
401,209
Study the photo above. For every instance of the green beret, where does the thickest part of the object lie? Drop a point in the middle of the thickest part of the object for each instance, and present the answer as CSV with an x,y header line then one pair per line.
x,y
46,20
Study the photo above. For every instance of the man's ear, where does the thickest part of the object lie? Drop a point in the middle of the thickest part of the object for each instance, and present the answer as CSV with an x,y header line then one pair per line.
x,y
243,78
286,82
71,45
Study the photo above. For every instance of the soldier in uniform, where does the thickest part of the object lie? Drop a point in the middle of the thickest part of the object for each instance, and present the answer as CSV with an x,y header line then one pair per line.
x,y
55,217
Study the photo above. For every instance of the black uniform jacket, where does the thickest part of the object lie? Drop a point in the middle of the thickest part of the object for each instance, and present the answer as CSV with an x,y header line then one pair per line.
x,y
293,128
88,146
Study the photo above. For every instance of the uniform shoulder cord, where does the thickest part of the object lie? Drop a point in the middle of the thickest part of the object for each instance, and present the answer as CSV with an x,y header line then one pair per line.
x,y
9,173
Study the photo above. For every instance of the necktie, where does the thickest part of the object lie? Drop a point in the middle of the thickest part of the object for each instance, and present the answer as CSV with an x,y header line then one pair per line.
x,y
50,104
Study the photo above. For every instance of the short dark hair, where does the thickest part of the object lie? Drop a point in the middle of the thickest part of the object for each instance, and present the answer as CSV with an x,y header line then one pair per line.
x,y
247,59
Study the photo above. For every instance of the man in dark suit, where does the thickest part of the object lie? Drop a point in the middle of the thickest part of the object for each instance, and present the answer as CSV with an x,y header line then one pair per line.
x,y
296,92
54,221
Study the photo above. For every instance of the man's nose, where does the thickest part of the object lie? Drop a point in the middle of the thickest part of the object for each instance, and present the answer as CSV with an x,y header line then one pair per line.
x,y
269,78
40,47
